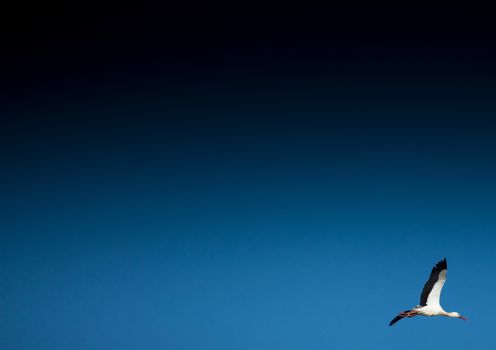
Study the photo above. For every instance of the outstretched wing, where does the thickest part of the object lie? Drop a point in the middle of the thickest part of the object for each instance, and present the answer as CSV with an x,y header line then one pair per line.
x,y
432,288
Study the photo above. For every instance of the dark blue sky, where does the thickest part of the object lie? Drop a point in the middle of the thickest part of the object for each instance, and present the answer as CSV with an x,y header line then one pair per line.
x,y
211,183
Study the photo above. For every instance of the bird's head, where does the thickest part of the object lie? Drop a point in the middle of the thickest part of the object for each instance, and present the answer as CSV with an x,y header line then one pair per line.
x,y
457,315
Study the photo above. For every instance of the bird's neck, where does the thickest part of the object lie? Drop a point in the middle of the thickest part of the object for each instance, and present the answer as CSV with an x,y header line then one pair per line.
x,y
449,314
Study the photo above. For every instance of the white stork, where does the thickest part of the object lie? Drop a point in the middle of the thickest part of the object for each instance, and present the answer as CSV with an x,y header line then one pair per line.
x,y
429,299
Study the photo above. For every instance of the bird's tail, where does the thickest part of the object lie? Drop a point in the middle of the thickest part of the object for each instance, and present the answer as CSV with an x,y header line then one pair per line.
x,y
400,316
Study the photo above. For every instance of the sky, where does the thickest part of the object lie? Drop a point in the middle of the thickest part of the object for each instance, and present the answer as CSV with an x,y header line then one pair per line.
x,y
220,180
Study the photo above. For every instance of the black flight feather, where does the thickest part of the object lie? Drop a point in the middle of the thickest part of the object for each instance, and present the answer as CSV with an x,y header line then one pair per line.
x,y
440,266
397,318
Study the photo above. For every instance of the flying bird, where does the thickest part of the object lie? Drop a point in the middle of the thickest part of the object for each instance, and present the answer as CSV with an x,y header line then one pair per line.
x,y
429,299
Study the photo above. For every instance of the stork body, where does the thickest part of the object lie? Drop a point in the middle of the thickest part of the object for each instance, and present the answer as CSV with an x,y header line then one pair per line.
x,y
429,299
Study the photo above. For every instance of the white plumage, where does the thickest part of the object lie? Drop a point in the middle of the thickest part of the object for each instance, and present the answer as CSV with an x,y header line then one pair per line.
x,y
430,298
435,294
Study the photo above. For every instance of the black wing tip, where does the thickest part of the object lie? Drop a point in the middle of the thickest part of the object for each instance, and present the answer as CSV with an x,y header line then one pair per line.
x,y
397,318
394,320
441,265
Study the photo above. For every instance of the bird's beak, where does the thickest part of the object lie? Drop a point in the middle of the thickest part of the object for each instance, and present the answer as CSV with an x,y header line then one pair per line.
x,y
463,318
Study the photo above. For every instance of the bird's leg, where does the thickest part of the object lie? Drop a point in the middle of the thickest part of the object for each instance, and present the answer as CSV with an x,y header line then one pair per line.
x,y
409,313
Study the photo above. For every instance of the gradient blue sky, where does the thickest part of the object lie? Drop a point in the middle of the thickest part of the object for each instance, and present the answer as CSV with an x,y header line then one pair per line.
x,y
250,205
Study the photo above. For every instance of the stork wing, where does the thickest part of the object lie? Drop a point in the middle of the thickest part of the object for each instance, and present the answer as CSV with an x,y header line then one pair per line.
x,y
432,288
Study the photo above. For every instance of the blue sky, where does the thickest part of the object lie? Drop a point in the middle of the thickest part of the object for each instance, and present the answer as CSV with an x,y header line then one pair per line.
x,y
297,232
197,180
